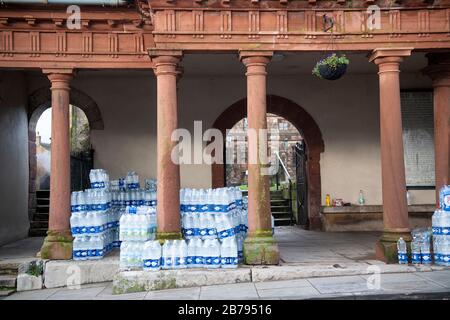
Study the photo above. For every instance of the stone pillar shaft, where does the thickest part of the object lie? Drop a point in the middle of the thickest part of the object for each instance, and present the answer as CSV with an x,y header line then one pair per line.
x,y
258,183
395,208
439,71
168,172
259,247
58,243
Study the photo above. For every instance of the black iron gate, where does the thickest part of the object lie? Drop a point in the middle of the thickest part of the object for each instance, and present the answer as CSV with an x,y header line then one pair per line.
x,y
81,164
301,183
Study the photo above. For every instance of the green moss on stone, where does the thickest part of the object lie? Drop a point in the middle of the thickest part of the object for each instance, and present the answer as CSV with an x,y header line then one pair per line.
x,y
165,284
259,250
127,286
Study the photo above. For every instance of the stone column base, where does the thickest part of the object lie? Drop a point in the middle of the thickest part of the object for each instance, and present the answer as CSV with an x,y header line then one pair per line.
x,y
261,248
163,236
57,245
386,246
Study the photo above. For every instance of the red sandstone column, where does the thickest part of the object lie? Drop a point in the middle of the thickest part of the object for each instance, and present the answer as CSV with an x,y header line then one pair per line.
x,y
168,172
395,208
259,247
58,243
439,71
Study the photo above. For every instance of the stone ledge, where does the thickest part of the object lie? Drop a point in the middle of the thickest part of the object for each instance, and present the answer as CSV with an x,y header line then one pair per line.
x,y
69,272
416,208
136,281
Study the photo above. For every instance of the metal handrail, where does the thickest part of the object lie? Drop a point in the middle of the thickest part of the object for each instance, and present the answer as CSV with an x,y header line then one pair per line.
x,y
283,166
288,176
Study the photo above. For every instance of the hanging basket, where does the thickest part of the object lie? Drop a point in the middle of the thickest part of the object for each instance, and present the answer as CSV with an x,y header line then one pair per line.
x,y
332,67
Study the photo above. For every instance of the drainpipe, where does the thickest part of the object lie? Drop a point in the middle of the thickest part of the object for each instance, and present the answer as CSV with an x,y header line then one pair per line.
x,y
69,2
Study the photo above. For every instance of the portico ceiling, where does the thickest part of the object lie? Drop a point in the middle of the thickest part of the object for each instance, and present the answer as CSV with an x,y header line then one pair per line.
x,y
286,64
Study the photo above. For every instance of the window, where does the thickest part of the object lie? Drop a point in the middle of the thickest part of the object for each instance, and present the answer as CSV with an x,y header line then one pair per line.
x,y
418,138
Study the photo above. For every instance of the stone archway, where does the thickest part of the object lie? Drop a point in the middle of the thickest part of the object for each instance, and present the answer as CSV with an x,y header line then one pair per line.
x,y
38,102
304,123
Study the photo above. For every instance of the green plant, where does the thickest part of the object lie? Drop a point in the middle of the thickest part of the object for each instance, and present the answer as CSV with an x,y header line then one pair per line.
x,y
35,268
332,61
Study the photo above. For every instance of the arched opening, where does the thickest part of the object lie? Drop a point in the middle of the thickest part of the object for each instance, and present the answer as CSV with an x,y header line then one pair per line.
x,y
282,139
84,117
311,136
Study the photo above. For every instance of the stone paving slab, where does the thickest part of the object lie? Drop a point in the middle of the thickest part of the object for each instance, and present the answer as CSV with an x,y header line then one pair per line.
x,y
238,291
135,281
400,285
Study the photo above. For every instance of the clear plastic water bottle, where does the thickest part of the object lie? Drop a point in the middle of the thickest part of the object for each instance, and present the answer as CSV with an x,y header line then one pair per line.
x,y
76,252
229,253
200,253
416,257
444,198
182,254
425,252
402,252
84,246
445,252
148,257
191,253
123,264
213,259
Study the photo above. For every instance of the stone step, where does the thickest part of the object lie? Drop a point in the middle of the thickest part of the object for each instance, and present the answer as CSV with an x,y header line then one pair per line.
x,y
8,281
6,292
280,208
282,221
43,201
40,217
42,208
9,268
278,200
39,224
40,232
281,214
43,193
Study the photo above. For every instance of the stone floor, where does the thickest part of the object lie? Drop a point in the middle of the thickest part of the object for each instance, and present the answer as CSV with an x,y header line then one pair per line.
x,y
24,249
20,251
298,246
327,287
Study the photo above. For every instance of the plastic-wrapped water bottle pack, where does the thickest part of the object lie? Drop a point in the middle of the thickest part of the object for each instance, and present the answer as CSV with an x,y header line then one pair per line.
x,y
94,223
431,245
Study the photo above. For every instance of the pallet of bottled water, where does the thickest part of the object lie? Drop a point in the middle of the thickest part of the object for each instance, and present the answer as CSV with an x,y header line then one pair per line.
x,y
180,254
94,223
431,245
441,229
214,214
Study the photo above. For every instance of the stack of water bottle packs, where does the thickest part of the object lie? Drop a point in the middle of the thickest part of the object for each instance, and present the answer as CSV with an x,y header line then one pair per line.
x,y
438,236
214,226
94,224
98,211
137,218
441,229
214,222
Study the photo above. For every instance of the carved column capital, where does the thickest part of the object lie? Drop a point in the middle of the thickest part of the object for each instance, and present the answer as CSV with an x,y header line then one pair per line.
x,y
166,61
388,59
255,61
59,78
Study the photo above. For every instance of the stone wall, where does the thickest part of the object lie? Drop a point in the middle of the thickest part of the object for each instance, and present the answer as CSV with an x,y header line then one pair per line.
x,y
14,166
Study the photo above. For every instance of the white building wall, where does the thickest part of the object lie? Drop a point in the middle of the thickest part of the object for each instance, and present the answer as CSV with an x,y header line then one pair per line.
x,y
14,222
